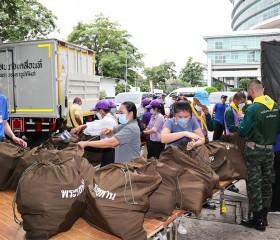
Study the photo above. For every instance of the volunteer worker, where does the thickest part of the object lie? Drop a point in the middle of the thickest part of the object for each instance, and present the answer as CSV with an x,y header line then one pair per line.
x,y
125,136
4,125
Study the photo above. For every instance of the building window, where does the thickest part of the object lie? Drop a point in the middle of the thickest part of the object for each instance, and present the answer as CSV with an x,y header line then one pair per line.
x,y
251,56
218,45
234,56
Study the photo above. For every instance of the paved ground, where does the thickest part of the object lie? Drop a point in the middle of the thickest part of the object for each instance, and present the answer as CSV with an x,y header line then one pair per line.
x,y
211,225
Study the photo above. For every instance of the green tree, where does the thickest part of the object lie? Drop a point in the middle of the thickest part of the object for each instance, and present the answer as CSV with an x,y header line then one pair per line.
x,y
192,72
219,85
211,89
120,87
102,94
24,20
161,73
144,86
236,89
115,54
243,83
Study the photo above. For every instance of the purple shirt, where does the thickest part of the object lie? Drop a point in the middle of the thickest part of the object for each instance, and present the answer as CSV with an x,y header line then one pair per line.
x,y
156,124
145,120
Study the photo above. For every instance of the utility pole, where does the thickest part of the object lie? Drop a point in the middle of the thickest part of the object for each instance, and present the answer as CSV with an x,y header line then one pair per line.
x,y
125,74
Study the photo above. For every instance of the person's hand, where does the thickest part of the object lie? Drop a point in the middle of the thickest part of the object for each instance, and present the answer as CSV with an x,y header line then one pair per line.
x,y
83,144
240,114
193,136
106,131
19,141
205,110
190,145
76,130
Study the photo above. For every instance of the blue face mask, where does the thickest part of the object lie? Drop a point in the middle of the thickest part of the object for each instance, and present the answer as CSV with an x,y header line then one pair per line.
x,y
122,119
113,110
182,122
152,111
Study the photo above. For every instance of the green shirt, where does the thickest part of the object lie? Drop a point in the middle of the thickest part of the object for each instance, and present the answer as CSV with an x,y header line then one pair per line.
x,y
260,124
229,119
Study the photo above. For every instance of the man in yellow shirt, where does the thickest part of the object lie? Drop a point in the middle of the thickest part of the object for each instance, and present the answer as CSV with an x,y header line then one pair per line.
x,y
74,114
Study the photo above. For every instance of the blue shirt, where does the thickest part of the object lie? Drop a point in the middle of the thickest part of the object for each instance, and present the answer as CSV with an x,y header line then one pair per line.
x,y
3,114
219,110
173,126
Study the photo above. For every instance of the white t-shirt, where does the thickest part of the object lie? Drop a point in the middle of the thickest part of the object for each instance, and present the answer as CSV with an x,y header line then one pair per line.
x,y
94,128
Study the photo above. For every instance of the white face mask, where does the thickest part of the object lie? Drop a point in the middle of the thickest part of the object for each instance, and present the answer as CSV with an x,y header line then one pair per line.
x,y
241,105
98,115
198,108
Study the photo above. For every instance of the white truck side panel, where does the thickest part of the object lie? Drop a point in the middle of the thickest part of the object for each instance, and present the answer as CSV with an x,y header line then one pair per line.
x,y
40,77
30,78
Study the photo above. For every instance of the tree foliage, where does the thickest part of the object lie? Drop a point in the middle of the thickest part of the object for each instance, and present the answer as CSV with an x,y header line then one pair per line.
x,y
219,85
144,86
115,54
120,87
243,83
192,72
211,89
236,89
161,73
102,94
25,20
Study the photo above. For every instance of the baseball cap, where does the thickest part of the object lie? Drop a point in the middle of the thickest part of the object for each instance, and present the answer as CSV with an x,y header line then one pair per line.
x,y
224,96
112,103
202,97
146,101
102,104
154,103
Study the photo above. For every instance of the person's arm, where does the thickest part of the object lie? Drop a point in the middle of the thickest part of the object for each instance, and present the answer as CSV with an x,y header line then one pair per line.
x,y
10,134
156,125
229,119
214,109
78,119
104,143
166,136
247,123
78,129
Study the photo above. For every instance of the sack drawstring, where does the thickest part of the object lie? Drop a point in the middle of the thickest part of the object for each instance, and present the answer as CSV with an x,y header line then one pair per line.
x,y
130,183
19,222
181,199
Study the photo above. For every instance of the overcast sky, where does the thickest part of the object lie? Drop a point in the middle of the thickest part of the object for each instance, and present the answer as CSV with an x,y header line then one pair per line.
x,y
161,29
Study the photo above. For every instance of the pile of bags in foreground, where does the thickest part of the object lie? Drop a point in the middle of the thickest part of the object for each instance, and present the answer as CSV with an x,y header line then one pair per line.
x,y
61,185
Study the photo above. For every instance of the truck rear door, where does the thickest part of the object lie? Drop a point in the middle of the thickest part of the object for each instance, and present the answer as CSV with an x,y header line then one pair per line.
x,y
7,77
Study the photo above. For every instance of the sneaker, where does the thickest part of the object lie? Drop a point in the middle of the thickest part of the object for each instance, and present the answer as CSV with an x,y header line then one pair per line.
x,y
209,206
181,229
233,188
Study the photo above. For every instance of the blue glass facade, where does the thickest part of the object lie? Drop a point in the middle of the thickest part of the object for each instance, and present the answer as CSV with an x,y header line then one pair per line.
x,y
234,50
247,14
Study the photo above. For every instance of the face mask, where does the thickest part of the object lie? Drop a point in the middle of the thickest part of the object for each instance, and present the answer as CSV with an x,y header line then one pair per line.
x,y
98,115
113,110
182,122
241,105
122,119
198,108
152,111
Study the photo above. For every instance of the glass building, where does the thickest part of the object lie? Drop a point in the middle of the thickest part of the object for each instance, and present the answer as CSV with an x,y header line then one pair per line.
x,y
236,55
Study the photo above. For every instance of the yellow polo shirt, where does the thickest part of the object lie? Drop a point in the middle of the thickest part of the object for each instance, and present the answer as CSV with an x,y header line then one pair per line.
x,y
74,109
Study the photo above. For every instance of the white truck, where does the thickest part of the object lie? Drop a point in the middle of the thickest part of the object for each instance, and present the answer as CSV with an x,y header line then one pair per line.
x,y
41,78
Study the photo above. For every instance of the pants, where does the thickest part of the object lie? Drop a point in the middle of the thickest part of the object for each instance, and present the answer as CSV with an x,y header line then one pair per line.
x,y
108,157
260,176
154,149
275,203
218,131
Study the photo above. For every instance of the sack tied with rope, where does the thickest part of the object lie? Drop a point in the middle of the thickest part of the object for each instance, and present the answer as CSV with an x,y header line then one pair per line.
x,y
197,182
51,193
227,160
163,199
10,154
118,198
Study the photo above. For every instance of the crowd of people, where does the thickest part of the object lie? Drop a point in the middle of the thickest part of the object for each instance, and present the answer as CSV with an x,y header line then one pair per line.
x,y
188,122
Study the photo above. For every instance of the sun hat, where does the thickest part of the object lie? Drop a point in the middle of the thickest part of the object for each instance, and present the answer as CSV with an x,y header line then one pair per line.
x,y
202,97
